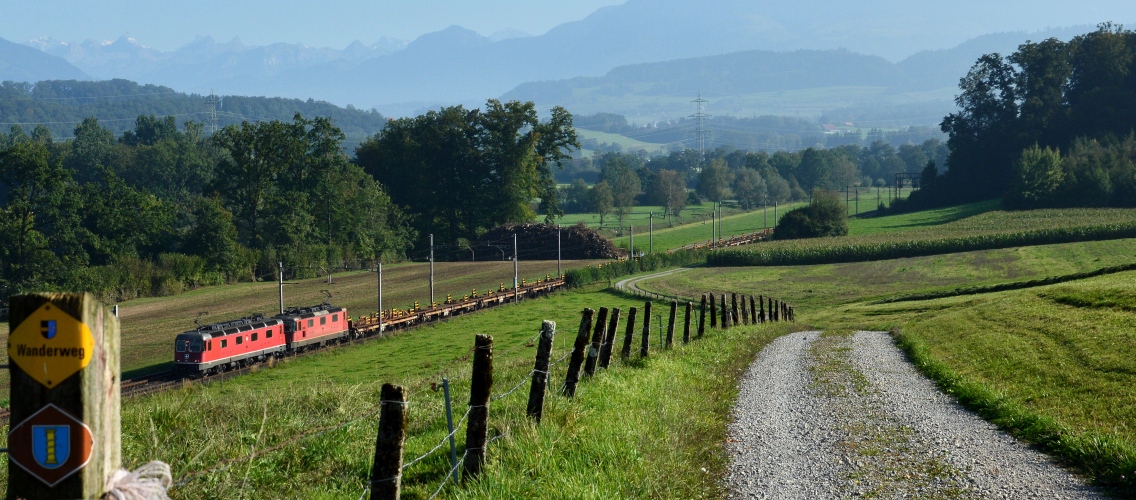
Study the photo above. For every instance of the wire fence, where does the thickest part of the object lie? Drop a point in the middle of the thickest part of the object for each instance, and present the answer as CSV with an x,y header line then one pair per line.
x,y
453,427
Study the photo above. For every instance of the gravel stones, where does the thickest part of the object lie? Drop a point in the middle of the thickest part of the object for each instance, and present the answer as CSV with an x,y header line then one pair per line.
x,y
826,416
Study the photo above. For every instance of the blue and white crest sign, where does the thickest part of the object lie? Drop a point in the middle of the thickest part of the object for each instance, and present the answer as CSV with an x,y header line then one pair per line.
x,y
51,445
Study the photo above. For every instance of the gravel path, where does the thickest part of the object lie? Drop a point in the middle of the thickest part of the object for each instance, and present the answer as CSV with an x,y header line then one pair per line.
x,y
831,416
631,285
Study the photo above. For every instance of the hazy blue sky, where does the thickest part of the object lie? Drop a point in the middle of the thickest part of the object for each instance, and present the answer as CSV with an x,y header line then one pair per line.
x,y
168,24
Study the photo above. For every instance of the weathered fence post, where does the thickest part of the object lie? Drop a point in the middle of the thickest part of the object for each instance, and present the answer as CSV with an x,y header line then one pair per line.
x,y
627,337
646,329
745,311
671,324
597,338
686,324
609,338
770,315
540,371
481,385
386,473
734,309
776,310
713,312
577,359
725,313
752,310
702,316
761,301
65,432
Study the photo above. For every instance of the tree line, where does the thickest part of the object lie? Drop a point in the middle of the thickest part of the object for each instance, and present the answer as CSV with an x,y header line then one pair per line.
x,y
620,181
158,209
768,133
1048,125
62,104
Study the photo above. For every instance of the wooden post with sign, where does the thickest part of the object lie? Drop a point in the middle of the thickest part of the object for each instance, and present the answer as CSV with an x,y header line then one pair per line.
x,y
65,439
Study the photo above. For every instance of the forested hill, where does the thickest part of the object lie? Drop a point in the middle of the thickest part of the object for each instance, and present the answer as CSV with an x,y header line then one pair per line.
x,y
736,73
62,104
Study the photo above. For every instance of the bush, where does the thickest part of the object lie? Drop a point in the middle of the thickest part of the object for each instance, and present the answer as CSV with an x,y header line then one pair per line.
x,y
825,216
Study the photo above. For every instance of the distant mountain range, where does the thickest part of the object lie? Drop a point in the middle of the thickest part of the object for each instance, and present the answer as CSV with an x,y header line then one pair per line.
x,y
20,63
843,85
457,65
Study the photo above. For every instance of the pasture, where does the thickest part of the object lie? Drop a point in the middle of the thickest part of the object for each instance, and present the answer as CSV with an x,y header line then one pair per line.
x,y
1052,364
149,325
270,414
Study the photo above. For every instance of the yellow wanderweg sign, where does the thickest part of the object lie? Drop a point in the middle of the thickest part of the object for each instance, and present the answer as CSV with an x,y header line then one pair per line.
x,y
51,345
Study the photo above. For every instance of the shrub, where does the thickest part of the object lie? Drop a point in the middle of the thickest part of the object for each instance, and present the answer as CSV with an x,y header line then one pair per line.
x,y
825,216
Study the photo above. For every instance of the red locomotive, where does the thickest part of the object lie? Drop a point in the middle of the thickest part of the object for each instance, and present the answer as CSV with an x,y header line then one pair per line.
x,y
233,344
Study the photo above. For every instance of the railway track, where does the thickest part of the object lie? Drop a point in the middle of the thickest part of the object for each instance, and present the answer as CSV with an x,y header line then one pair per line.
x,y
367,327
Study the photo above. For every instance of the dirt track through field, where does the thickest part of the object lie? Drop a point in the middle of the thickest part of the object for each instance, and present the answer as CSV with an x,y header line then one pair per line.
x,y
836,416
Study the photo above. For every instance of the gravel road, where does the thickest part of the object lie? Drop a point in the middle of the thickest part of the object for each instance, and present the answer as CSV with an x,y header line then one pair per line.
x,y
837,416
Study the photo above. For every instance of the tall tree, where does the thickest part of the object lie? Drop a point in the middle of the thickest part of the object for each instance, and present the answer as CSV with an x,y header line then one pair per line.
x,y
670,187
463,172
749,188
602,199
38,219
714,181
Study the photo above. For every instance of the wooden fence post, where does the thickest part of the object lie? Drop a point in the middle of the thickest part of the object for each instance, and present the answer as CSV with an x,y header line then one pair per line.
x,y
702,316
686,324
540,371
646,345
745,311
761,301
713,312
65,396
752,310
776,310
386,473
671,324
725,313
577,359
769,316
627,337
481,385
734,310
609,339
597,337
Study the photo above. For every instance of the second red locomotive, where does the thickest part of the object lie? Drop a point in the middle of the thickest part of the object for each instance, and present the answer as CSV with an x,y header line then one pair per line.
x,y
233,344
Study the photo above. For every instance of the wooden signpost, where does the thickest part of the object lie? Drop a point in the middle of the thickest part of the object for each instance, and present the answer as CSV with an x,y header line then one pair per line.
x,y
65,437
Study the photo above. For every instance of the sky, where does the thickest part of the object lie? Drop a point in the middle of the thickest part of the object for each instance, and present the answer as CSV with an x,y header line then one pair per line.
x,y
169,24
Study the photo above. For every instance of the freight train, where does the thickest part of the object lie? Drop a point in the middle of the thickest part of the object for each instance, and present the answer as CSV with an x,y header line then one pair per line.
x,y
214,348
233,344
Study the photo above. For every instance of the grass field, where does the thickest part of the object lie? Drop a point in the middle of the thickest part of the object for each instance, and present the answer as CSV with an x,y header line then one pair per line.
x,y
640,217
627,143
987,230
737,223
1055,365
861,226
149,325
601,443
